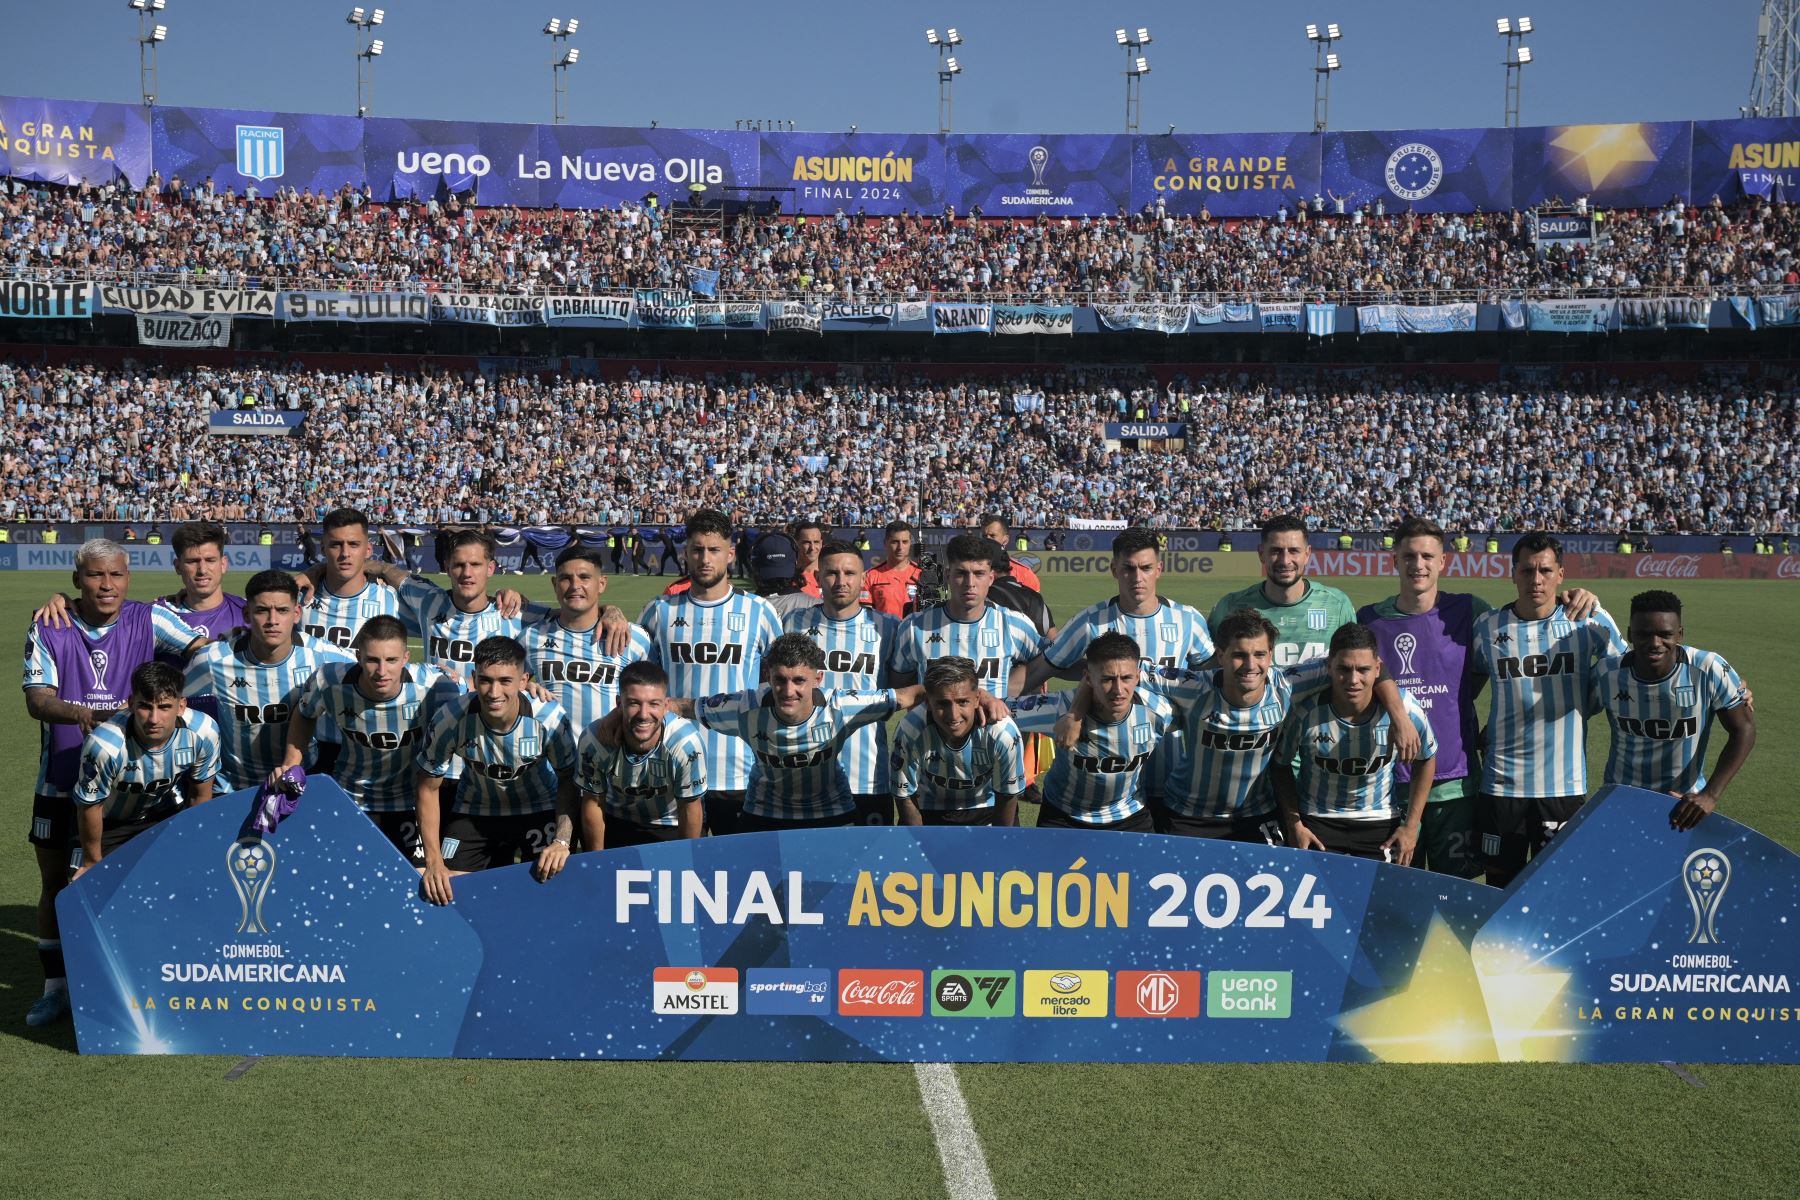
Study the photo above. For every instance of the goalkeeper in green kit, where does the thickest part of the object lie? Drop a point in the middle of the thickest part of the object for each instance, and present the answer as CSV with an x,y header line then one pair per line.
x,y
1306,613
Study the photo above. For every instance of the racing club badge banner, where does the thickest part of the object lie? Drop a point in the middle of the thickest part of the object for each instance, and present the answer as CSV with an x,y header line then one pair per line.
x,y
1625,942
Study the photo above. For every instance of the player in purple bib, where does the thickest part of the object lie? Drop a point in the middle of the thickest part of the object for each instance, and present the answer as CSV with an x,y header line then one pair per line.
x,y
76,676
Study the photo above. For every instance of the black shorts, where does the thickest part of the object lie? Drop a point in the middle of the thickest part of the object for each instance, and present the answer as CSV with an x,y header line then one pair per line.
x,y
52,822
987,814
114,834
621,833
752,823
875,809
402,830
1358,839
477,843
723,811
1513,829
1265,829
1052,817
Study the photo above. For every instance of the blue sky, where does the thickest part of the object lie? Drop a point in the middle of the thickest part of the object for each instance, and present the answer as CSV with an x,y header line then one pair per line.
x,y
1046,66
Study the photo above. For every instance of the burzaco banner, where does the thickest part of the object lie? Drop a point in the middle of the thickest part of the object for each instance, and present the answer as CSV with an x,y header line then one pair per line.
x,y
1625,942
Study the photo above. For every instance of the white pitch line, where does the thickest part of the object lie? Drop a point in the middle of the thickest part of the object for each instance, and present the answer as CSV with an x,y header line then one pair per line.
x,y
959,1149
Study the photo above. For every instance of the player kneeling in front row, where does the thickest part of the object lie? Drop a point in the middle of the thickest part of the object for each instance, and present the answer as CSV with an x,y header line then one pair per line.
x,y
143,765
510,805
947,767
381,707
1343,800
649,786
1660,699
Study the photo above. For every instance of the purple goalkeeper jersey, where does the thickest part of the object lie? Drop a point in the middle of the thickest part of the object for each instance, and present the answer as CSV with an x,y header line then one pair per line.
x,y
91,670
1428,655
215,623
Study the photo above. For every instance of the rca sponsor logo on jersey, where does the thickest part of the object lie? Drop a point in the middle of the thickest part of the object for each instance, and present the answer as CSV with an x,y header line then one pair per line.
x,y
974,994
787,992
1266,994
1065,993
881,993
1157,994
696,991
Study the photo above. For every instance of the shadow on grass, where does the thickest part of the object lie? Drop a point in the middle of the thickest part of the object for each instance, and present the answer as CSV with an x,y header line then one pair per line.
x,y
22,981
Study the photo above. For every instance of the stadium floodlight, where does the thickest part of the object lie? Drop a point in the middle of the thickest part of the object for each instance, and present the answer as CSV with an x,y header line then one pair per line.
x,y
1517,55
1135,70
1121,36
1143,66
1324,63
559,32
571,58
1332,63
1143,36
149,37
1331,32
953,37
931,36
1524,55
148,5
376,47
378,16
356,16
160,33
363,22
572,26
1524,24
1503,26
947,71
1312,33
952,66
553,26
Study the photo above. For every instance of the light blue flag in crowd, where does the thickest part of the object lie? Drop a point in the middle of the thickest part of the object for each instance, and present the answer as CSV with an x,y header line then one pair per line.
x,y
703,282
1321,320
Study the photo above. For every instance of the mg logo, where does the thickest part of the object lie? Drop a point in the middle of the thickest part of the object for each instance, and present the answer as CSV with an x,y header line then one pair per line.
x,y
261,152
1158,994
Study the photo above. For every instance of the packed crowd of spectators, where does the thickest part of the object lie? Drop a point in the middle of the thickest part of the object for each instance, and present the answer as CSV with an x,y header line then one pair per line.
x,y
859,448
192,231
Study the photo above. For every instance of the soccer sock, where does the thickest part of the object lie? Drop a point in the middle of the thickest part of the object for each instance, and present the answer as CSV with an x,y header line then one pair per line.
x,y
50,954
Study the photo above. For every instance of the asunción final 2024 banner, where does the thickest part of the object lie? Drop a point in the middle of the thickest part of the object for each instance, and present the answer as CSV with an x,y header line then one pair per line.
x,y
1625,942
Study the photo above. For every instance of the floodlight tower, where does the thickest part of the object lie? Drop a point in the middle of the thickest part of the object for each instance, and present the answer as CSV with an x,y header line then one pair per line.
x,y
948,70
150,36
1136,67
362,23
1775,79
1518,56
562,57
1325,63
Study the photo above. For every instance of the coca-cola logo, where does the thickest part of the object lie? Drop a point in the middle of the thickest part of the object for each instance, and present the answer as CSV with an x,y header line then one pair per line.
x,y
881,993
1789,568
1671,566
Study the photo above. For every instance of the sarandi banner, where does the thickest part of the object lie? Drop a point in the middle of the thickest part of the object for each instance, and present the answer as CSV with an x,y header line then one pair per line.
x,y
1625,942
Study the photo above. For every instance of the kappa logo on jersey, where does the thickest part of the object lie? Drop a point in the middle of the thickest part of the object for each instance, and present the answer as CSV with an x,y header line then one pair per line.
x,y
695,991
973,994
1065,993
864,993
1158,994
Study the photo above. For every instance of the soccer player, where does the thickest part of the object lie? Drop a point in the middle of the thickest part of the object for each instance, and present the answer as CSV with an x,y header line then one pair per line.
x,y
649,786
381,707
76,676
1540,662
258,675
856,641
1660,699
1099,783
567,651
1001,642
1425,637
1343,797
140,766
893,582
947,767
517,796
995,529
809,540
711,639
1306,613
345,596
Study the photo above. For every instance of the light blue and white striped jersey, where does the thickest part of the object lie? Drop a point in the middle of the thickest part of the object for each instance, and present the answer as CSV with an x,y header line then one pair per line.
x,y
378,740
1175,635
450,634
1223,775
997,640
1347,767
709,649
1102,778
137,783
255,700
646,788
1539,673
856,657
576,668
511,772
338,619
798,774
1660,727
942,777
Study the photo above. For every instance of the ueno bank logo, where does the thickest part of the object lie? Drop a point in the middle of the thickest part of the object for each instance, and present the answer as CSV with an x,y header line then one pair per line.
x,y
881,993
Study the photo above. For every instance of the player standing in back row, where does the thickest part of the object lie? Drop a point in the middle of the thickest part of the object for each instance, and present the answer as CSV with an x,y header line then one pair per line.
x,y
1306,613
1540,662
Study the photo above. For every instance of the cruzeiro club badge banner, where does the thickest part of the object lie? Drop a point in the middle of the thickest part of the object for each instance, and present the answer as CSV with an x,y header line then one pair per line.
x,y
1625,942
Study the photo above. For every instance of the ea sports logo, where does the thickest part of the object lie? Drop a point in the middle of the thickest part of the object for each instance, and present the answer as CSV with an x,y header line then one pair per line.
x,y
1158,994
1414,171
954,993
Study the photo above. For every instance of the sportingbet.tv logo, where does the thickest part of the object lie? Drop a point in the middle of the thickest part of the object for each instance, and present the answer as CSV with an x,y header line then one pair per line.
x,y
974,994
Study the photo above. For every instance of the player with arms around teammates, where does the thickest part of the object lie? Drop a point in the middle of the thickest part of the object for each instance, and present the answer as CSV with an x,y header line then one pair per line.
x,y
950,768
1660,699
76,677
344,596
568,651
1540,662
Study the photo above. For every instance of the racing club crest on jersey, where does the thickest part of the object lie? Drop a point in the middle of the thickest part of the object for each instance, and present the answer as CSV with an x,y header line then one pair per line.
x,y
1316,618
735,622
1168,631
990,639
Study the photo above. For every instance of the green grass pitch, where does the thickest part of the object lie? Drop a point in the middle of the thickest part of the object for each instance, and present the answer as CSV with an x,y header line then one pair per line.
x,y
142,1127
